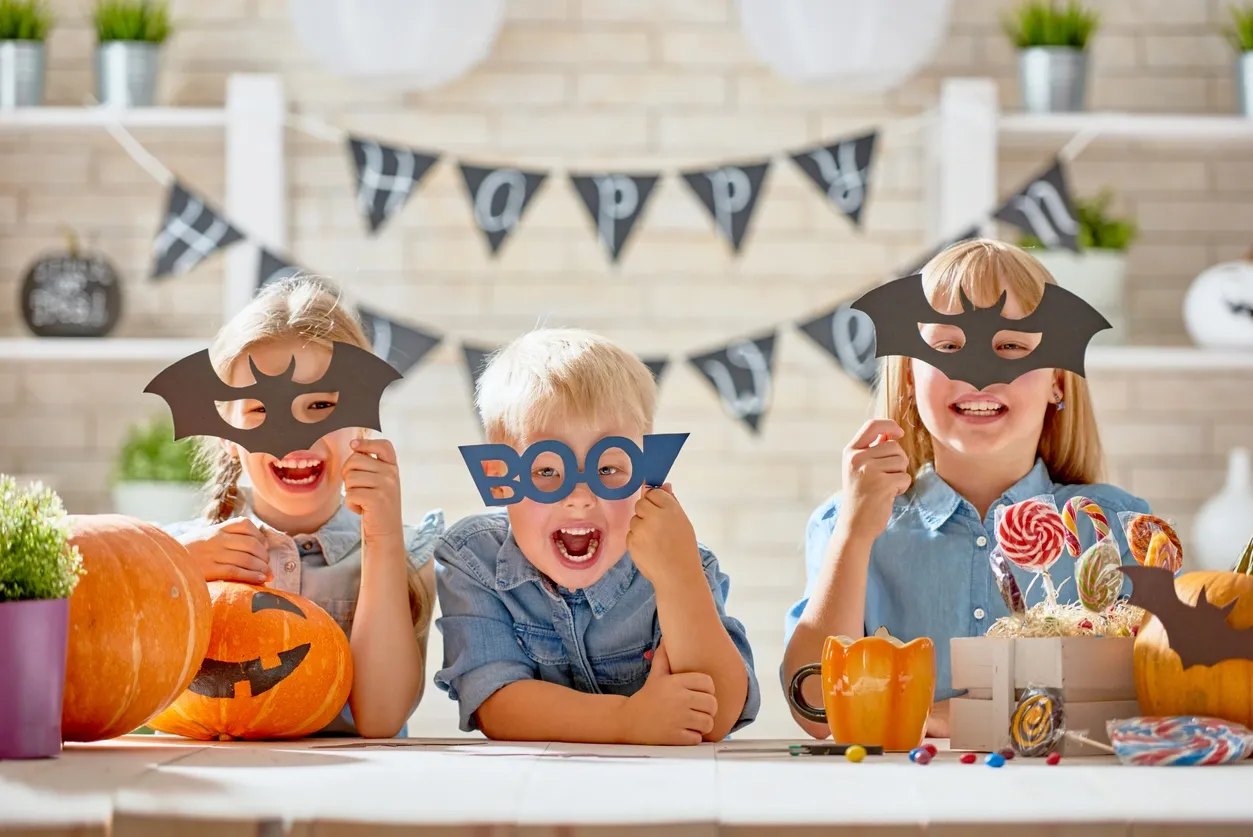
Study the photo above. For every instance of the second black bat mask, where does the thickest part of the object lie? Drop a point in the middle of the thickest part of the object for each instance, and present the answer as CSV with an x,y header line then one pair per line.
x,y
191,387
1064,322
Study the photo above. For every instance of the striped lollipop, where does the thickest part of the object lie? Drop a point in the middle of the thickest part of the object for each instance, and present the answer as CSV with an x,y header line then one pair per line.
x,y
1031,534
1097,577
1082,505
1182,740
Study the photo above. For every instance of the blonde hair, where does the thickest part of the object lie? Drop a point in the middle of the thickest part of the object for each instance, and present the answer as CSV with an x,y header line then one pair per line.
x,y
1069,441
300,308
556,374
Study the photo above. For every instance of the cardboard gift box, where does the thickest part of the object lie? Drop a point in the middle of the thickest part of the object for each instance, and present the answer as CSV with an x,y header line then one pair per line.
x,y
1094,675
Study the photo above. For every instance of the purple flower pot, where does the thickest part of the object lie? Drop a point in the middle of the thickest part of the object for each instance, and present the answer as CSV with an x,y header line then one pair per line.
x,y
33,642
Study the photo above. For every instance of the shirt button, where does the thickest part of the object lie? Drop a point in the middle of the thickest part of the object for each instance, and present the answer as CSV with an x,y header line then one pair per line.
x,y
981,541
980,613
290,566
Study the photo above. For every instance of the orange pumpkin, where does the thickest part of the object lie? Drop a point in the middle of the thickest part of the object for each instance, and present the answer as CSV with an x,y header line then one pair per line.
x,y
139,627
1224,690
278,666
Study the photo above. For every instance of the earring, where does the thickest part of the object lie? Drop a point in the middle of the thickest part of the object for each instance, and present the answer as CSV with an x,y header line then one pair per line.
x,y
1060,403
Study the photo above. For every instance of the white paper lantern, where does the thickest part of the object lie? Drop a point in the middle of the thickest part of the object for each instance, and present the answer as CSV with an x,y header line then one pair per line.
x,y
406,44
860,45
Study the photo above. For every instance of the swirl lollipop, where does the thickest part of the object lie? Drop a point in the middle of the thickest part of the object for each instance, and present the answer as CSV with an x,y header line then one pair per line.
x,y
1162,553
1179,741
1035,728
1031,534
1006,583
1140,531
1097,577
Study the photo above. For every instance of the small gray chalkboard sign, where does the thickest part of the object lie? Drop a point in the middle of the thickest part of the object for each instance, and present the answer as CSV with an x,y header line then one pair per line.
x,y
71,294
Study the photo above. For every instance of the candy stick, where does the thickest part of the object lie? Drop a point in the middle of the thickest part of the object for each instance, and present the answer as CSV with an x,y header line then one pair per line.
x,y
1094,513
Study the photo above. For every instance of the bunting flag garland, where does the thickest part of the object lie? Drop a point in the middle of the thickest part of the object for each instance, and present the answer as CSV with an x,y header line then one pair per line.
x,y
615,202
500,197
657,366
190,233
386,177
400,345
742,372
730,194
271,269
964,235
841,171
848,336
476,358
1044,209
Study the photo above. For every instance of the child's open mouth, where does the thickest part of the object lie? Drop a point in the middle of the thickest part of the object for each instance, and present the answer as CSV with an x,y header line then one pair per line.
x,y
577,546
979,410
298,472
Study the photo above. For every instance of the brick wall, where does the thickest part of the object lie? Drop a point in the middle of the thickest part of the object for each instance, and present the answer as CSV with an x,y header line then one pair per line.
x,y
627,83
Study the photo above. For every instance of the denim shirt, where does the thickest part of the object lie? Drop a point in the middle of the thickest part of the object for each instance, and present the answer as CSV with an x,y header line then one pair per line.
x,y
503,621
325,568
929,573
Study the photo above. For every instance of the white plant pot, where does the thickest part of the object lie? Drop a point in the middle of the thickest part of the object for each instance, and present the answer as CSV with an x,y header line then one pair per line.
x,y
1099,278
158,502
1224,523
1218,310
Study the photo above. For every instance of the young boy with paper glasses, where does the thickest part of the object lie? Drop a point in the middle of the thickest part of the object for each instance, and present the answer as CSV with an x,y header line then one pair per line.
x,y
552,629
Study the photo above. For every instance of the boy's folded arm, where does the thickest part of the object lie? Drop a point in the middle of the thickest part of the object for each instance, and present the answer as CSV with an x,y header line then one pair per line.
x,y
533,710
700,636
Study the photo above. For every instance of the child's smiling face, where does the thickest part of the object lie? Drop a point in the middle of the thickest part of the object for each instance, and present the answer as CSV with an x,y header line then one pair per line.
x,y
575,541
997,420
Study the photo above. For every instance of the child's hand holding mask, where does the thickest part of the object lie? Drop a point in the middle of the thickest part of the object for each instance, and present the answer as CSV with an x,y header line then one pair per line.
x,y
662,541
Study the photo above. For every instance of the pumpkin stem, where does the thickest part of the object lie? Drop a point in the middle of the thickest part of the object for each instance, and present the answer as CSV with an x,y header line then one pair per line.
x,y
1245,567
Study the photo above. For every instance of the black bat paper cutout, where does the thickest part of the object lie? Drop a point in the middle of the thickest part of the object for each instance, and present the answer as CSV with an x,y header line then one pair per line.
x,y
1199,635
191,386
1065,322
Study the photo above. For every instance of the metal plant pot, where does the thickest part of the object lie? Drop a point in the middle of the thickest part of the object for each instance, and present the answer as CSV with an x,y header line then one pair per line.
x,y
21,74
1053,79
1244,83
126,73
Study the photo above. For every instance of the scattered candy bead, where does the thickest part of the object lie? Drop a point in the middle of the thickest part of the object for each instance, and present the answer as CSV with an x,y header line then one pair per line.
x,y
1053,758
923,757
855,753
913,754
968,758
930,748
994,760
1007,753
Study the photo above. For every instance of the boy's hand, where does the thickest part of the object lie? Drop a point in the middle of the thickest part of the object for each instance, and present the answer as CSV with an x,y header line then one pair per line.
x,y
662,541
233,550
670,708
372,488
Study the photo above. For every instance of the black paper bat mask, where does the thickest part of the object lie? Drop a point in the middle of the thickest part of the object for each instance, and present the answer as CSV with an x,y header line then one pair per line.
x,y
217,679
1065,322
191,387
1199,634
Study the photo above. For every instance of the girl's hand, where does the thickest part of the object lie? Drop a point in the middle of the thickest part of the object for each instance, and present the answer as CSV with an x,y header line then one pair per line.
x,y
234,550
876,472
372,488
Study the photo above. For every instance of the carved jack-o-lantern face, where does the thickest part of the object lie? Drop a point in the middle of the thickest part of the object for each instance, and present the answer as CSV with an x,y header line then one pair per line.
x,y
278,666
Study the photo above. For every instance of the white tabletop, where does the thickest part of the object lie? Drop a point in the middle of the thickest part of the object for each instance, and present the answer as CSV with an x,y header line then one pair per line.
x,y
140,785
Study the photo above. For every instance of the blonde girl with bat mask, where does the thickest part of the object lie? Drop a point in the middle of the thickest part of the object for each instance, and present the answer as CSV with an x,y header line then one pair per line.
x,y
905,544
324,523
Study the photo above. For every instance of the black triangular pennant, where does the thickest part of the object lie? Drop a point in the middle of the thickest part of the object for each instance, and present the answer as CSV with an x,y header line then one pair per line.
x,y
657,366
1043,208
400,345
730,194
841,171
476,358
271,269
386,177
191,231
743,375
499,198
615,202
848,336
964,235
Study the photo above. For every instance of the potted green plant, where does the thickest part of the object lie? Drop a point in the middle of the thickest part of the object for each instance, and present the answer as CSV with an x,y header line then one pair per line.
x,y
1240,33
156,478
24,26
1098,272
1052,44
129,36
38,571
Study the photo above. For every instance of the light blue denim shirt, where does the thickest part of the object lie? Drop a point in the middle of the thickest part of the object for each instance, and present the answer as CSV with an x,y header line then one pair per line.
x,y
929,572
503,621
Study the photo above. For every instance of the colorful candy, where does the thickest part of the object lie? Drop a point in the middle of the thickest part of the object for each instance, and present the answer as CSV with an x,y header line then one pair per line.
x,y
1031,534
923,757
1162,553
1097,577
1053,758
930,748
1095,514
994,760
1007,753
968,758
1140,529
1006,583
1181,741
1035,727
855,753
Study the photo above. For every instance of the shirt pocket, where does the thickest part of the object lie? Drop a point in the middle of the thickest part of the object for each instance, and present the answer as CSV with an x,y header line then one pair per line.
x,y
542,645
621,668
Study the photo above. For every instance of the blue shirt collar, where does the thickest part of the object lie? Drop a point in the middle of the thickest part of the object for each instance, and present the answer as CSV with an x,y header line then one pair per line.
x,y
339,537
937,501
513,570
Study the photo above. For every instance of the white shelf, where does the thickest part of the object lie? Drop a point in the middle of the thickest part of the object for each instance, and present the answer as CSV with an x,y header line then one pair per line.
x,y
1129,126
1167,358
62,118
92,349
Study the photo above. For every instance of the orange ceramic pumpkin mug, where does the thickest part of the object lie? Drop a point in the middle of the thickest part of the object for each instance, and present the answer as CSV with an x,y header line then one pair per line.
x,y
876,690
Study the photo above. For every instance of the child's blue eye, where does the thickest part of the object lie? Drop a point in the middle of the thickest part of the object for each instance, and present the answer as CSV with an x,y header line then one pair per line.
x,y
322,405
545,472
258,409
606,470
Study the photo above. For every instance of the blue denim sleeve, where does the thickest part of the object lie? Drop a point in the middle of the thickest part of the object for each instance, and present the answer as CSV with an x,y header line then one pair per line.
x,y
481,653
818,533
720,586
